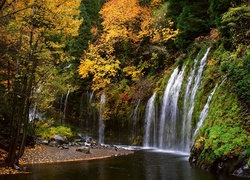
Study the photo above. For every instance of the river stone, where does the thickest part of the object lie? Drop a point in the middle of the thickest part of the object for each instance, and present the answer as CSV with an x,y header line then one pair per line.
x,y
243,171
60,139
46,142
54,143
65,146
85,150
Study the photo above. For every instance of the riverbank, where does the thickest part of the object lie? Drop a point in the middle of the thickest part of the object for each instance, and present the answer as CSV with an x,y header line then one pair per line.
x,y
48,154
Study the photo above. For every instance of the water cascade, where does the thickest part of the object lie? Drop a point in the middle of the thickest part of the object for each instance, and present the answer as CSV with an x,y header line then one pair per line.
x,y
169,111
172,130
150,124
65,106
91,97
101,123
204,112
134,116
194,82
33,114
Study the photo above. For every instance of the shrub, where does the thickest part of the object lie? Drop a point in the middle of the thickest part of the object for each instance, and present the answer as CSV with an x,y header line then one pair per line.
x,y
46,130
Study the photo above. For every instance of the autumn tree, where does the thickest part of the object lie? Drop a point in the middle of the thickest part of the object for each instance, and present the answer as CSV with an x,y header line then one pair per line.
x,y
129,32
122,23
35,33
101,69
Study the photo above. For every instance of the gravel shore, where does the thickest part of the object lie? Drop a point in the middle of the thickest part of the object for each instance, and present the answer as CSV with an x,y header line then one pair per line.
x,y
47,154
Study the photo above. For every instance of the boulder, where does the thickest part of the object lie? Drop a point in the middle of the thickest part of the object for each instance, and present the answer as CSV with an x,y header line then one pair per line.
x,y
65,146
54,143
85,150
243,170
60,139
46,142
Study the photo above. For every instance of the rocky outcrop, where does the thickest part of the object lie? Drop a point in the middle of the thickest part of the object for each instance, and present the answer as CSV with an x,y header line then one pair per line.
x,y
236,166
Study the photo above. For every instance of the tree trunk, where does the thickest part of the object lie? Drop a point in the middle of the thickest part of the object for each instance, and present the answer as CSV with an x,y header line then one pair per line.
x,y
2,2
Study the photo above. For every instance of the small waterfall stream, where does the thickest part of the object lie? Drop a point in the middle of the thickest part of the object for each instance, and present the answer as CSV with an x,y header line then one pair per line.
x,y
101,123
65,106
134,116
204,112
150,124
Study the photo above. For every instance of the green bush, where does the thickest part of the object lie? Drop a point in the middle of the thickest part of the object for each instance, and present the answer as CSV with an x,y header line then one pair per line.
x,y
46,130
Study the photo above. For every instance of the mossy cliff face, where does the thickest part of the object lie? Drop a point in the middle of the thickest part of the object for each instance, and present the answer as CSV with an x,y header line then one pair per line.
x,y
222,144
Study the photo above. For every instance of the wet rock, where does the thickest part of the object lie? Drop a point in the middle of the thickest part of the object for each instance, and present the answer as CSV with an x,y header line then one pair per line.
x,y
65,146
243,170
78,140
45,142
87,144
60,139
85,150
16,167
53,143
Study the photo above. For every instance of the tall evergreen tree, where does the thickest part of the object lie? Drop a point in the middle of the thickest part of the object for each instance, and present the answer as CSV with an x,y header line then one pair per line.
x,y
80,43
191,18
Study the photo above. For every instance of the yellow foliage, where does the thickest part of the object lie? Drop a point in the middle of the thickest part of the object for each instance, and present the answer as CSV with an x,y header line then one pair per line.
x,y
102,69
156,32
122,19
155,4
26,27
134,72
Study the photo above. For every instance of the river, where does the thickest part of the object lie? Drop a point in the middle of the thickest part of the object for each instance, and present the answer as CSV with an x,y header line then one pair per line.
x,y
142,165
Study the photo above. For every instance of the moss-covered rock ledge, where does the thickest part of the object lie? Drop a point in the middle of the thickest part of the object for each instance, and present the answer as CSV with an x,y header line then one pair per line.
x,y
223,143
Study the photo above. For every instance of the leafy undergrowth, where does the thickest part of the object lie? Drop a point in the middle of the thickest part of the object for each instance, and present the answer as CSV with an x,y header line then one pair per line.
x,y
226,131
46,130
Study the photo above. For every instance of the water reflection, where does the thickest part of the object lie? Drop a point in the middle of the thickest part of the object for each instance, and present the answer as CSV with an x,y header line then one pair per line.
x,y
142,165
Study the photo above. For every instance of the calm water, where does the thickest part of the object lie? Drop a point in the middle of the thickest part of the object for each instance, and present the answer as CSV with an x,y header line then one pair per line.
x,y
142,165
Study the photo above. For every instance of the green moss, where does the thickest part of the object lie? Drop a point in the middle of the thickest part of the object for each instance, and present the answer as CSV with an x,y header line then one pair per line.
x,y
224,133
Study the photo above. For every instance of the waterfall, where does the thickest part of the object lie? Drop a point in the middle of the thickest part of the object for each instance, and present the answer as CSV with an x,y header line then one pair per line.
x,y
169,111
101,123
194,82
91,98
186,124
135,110
65,106
204,112
150,124
134,116
172,130
33,114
